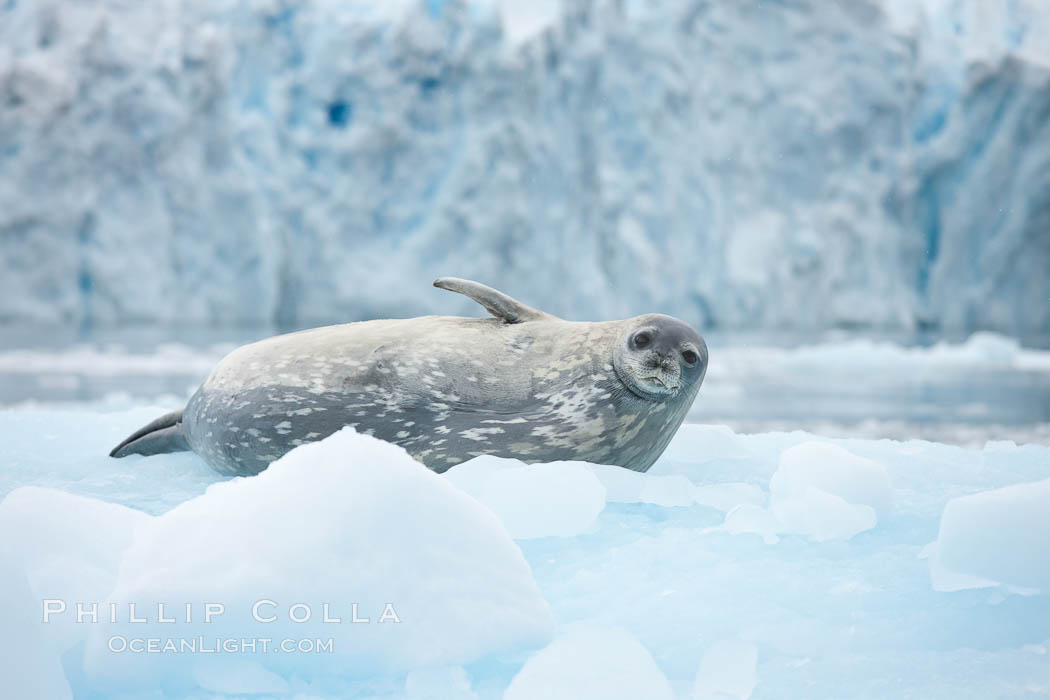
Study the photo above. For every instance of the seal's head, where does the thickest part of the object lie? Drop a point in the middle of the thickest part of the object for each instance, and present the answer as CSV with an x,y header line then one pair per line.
x,y
658,357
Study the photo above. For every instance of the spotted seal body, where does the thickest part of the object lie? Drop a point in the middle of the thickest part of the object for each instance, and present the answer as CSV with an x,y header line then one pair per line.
x,y
523,384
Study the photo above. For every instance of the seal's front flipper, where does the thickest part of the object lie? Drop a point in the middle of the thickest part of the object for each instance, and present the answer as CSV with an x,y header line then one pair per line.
x,y
495,302
161,436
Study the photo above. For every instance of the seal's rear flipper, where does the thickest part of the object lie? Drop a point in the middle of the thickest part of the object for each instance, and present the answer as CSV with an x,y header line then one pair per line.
x,y
495,302
160,436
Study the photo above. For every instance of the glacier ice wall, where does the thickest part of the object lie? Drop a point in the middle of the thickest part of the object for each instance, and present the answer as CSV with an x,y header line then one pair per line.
x,y
799,164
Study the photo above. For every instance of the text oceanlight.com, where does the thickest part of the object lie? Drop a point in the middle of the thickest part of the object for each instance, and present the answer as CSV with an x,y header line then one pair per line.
x,y
203,645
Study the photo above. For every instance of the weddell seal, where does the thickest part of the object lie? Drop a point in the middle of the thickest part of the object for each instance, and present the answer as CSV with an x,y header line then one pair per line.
x,y
524,384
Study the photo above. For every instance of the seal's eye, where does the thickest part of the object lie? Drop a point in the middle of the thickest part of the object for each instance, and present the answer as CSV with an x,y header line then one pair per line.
x,y
641,340
690,357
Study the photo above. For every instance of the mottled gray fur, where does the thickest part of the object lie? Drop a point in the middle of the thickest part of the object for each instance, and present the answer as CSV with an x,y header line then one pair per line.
x,y
524,384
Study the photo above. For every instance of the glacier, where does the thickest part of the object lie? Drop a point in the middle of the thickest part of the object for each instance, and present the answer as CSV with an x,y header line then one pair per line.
x,y
802,164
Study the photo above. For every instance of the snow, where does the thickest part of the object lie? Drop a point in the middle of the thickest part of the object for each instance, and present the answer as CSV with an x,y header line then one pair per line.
x,y
559,499
591,662
210,161
997,537
707,595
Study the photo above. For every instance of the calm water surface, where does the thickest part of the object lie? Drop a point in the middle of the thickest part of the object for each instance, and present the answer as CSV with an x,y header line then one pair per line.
x,y
864,397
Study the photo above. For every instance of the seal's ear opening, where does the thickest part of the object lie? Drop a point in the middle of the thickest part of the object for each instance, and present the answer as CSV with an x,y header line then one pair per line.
x,y
495,302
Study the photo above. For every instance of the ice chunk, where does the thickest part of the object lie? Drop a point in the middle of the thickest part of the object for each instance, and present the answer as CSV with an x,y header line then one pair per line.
x,y
822,516
711,453
827,467
727,671
754,519
725,497
69,548
30,667
667,491
826,492
349,528
697,443
621,485
820,490
237,676
943,579
557,499
999,536
851,614
445,682
45,526
626,486
591,661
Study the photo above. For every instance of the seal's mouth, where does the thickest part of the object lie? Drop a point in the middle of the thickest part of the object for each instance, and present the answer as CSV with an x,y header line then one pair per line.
x,y
660,383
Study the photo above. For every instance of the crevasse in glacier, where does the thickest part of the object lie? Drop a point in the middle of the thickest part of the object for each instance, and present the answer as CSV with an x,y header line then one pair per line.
x,y
794,164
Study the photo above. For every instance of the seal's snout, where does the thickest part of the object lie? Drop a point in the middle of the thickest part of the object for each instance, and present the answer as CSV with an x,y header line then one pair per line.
x,y
653,360
666,360
659,372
